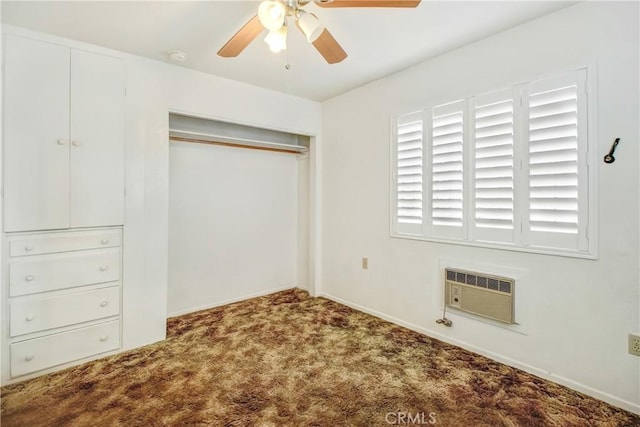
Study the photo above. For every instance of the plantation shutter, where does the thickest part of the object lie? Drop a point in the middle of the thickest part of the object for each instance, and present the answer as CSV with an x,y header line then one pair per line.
x,y
493,159
447,171
558,188
409,173
506,169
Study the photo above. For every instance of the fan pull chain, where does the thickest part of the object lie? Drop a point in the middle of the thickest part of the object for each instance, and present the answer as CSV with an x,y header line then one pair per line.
x,y
287,66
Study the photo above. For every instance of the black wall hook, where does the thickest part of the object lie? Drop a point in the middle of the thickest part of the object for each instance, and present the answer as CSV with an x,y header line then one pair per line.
x,y
609,157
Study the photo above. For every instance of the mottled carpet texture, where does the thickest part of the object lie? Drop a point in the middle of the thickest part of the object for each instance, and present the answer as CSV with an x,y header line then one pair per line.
x,y
291,360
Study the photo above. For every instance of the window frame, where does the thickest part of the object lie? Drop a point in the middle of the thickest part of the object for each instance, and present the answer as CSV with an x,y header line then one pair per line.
x,y
587,247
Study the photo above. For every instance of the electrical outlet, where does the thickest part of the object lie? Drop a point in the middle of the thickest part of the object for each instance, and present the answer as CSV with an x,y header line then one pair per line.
x,y
634,344
365,263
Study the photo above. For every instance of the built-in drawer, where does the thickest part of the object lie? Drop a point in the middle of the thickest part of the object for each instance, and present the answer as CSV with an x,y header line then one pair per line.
x,y
29,314
29,275
41,353
63,242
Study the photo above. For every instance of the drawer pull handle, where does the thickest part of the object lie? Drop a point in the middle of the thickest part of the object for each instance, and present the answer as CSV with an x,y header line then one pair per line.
x,y
29,278
104,338
104,267
28,248
104,241
28,357
104,303
29,318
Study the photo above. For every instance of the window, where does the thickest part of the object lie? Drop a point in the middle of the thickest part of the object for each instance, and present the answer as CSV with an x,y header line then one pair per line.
x,y
507,169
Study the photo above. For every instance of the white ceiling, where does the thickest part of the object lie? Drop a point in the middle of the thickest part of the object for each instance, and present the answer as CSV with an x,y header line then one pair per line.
x,y
378,41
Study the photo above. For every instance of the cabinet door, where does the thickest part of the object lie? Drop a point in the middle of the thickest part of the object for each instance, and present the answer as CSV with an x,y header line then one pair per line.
x,y
97,140
36,135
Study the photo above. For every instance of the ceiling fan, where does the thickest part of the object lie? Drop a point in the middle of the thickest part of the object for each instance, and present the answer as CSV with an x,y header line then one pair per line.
x,y
274,15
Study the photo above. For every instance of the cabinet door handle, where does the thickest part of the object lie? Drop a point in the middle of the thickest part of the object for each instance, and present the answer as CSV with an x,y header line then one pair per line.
x,y
61,141
104,267
28,357
104,303
104,241
104,338
76,143
29,318
29,278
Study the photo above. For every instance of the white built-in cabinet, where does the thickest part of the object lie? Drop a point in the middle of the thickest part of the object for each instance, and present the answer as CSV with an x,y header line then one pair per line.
x,y
63,137
63,198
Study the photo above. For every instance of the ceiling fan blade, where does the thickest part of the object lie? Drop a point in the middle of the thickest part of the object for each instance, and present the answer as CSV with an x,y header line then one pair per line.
x,y
370,3
242,38
329,48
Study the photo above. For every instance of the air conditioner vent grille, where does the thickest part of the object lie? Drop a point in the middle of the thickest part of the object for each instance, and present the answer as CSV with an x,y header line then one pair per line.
x,y
495,283
505,287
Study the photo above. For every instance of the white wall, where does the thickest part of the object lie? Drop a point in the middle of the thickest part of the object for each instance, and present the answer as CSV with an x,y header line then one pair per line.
x,y
575,313
304,191
153,90
233,224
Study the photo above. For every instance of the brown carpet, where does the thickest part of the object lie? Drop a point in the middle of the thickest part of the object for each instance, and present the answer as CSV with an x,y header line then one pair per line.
x,y
290,360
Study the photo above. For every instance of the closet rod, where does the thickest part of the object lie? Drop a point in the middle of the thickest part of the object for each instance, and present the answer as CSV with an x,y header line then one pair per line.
x,y
232,144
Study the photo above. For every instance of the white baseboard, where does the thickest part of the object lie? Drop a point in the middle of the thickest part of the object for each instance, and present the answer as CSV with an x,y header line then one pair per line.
x,y
613,400
229,301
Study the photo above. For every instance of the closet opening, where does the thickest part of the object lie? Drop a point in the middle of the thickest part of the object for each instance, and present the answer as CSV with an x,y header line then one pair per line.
x,y
238,212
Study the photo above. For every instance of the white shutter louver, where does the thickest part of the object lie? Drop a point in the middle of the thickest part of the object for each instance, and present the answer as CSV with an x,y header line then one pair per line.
x,y
409,170
493,159
447,165
553,160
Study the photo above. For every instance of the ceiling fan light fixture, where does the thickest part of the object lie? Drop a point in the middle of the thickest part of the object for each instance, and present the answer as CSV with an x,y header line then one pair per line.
x,y
277,39
310,26
272,14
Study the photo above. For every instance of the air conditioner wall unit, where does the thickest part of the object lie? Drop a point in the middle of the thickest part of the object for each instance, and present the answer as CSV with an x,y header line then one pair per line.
x,y
481,294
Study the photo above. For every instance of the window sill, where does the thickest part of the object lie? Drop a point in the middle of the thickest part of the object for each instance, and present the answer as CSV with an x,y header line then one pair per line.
x,y
503,247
